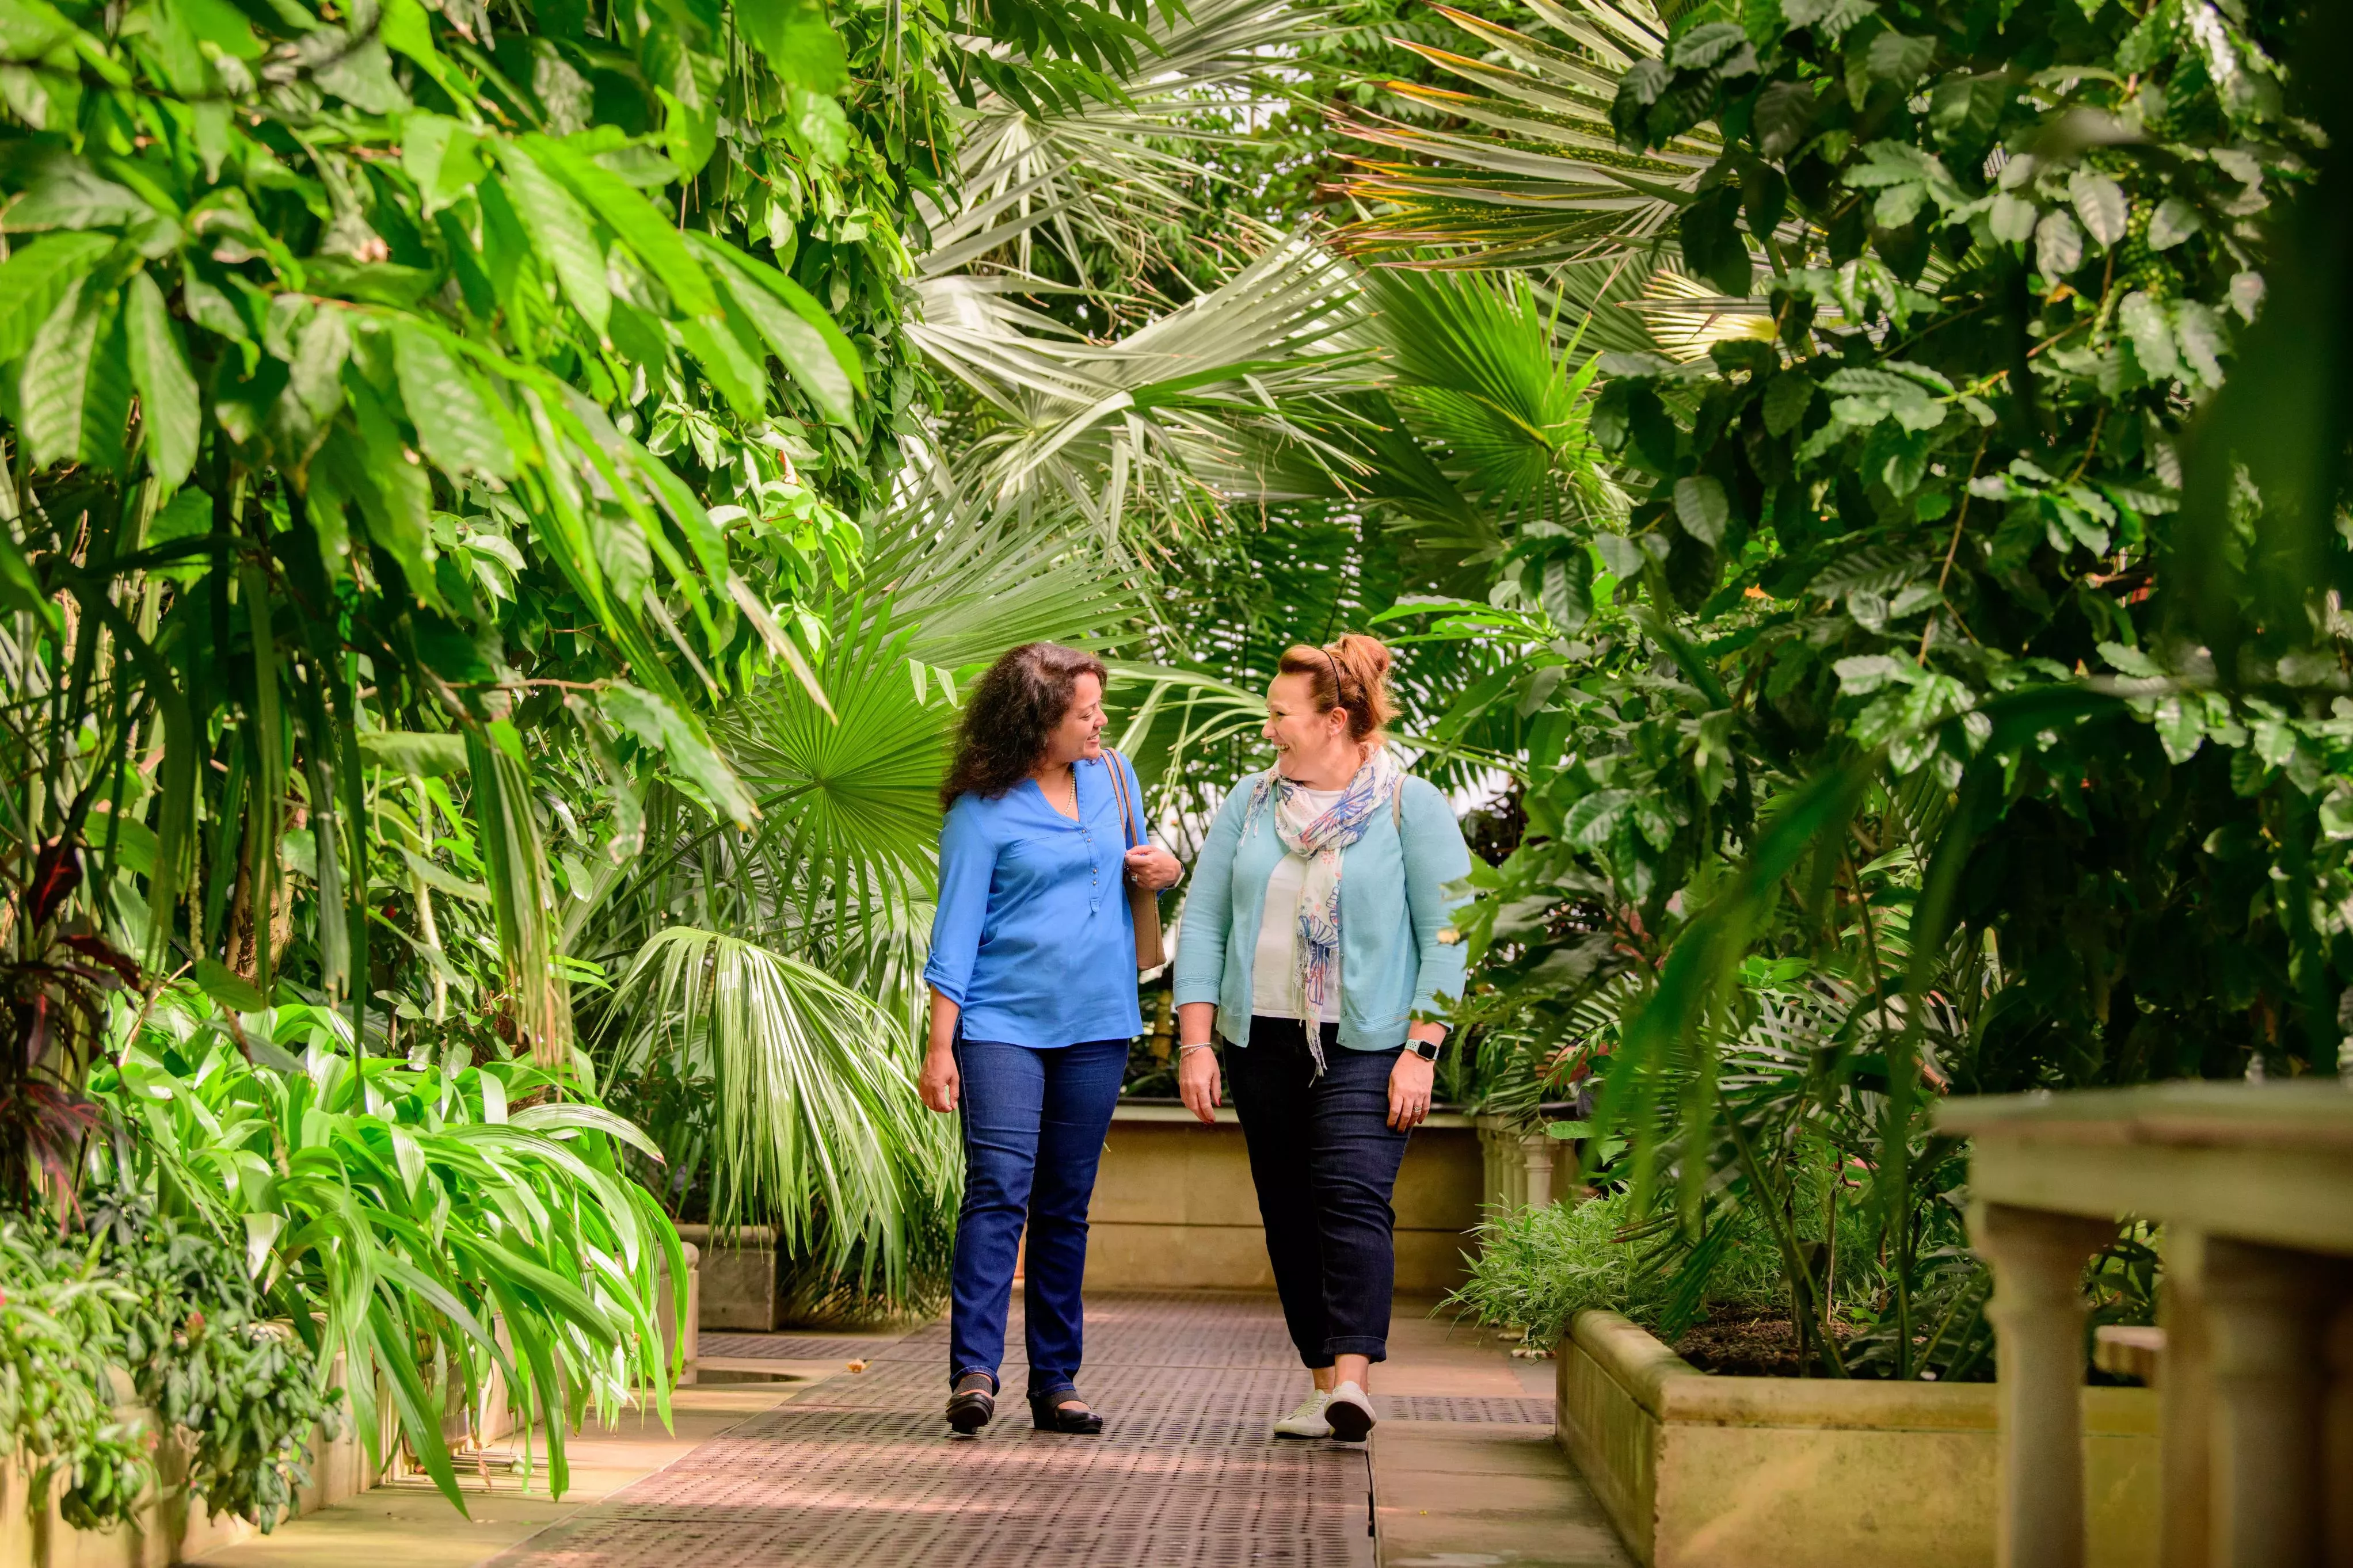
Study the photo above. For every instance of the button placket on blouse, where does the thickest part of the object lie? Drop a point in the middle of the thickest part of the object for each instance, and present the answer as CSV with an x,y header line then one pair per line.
x,y
1094,871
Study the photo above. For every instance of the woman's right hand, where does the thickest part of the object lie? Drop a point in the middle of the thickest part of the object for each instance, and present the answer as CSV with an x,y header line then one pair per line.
x,y
1197,1082
939,1081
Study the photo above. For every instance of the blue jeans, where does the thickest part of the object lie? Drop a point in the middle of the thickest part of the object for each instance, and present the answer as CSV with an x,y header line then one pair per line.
x,y
1034,1122
1324,1160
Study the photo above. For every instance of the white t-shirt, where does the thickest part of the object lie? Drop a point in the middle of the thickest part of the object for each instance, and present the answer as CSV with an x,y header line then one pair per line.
x,y
1271,968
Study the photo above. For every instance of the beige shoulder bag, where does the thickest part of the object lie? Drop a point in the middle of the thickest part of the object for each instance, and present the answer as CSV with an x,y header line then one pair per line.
x,y
1143,903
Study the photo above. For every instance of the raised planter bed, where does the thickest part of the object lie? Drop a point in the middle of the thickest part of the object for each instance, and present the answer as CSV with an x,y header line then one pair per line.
x,y
1702,1472
738,1277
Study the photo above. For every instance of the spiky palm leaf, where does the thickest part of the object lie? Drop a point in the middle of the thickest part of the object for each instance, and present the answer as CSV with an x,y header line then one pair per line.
x,y
1548,183
1485,381
1109,174
1220,398
814,1085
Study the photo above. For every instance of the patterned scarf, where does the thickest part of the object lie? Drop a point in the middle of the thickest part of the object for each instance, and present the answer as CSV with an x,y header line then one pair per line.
x,y
1318,837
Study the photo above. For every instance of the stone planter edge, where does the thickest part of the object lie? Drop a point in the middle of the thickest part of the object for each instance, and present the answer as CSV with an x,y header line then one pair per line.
x,y
1700,1471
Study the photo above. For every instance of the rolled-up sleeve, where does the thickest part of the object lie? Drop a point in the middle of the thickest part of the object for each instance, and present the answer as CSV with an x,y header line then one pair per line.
x,y
967,865
1435,857
1209,910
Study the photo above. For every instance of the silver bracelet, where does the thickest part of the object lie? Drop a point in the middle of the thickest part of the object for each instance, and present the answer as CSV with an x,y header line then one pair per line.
x,y
1196,1046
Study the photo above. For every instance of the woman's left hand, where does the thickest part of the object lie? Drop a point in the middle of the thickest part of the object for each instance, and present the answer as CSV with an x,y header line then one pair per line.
x,y
1152,868
1409,1087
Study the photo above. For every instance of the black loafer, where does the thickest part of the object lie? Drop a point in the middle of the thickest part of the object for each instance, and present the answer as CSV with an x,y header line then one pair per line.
x,y
972,1405
1048,1414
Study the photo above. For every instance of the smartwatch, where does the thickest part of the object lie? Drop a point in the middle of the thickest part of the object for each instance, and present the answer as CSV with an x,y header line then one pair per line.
x,y
1426,1049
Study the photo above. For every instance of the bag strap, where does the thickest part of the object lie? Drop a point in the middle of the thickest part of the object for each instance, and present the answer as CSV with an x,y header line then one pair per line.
x,y
1118,766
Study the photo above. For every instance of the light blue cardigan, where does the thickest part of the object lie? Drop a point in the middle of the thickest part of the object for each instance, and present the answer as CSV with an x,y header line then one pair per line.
x,y
1393,905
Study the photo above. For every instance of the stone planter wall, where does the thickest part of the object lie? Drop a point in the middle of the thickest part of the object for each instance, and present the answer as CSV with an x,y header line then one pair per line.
x,y
1175,1208
1698,1471
738,1273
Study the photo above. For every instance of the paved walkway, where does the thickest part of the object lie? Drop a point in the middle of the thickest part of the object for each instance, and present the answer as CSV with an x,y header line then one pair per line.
x,y
856,1470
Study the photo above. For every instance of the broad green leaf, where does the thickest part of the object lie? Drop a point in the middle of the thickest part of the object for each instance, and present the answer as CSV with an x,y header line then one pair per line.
x,y
392,497
572,1116
362,77
732,367
441,155
229,988
2151,335
414,751
2100,202
76,388
1787,399
801,334
2174,221
221,24
31,28
315,348
1702,508
35,277
560,232
660,726
169,410
449,405
68,194
690,132
404,27
633,216
799,41
2058,244
1567,590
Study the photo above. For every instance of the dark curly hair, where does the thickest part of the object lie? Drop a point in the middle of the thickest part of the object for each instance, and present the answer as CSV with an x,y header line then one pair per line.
x,y
1010,713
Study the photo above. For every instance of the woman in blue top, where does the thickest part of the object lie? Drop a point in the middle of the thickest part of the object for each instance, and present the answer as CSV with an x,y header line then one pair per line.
x,y
1032,975
1316,943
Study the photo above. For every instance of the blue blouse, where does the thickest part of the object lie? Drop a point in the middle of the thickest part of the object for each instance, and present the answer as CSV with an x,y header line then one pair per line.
x,y
1032,937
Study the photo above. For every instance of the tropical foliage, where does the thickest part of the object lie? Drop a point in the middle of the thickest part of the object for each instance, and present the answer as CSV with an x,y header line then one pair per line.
x,y
1876,750
500,508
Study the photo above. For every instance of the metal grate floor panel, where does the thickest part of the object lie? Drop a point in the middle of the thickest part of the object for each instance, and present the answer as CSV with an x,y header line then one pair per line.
x,y
861,1472
791,1347
1464,1408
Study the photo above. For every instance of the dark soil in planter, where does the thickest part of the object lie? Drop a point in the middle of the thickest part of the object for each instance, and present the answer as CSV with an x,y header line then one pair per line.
x,y
1746,1343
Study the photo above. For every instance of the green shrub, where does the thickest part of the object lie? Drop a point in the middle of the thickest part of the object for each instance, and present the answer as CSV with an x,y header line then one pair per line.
x,y
1538,1267
172,1309
242,1387
57,1397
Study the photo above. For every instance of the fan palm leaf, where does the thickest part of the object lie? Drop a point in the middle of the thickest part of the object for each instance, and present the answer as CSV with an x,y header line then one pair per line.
x,y
814,1086
1548,184
1106,175
1225,396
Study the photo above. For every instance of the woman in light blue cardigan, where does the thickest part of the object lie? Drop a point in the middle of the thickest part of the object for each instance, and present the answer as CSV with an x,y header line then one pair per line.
x,y
1316,943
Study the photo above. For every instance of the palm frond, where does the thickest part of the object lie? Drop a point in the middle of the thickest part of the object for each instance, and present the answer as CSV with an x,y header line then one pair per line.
x,y
814,1085
1108,174
1484,380
1547,184
1219,399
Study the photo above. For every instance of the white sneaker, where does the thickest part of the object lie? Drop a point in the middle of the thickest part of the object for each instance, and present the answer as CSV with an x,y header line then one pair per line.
x,y
1350,1412
1307,1421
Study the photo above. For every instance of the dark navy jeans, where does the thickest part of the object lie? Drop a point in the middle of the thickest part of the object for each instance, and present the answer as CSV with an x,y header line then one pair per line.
x,y
1034,1122
1325,1161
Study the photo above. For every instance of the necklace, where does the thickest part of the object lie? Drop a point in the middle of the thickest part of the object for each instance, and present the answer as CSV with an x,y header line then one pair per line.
x,y
1071,779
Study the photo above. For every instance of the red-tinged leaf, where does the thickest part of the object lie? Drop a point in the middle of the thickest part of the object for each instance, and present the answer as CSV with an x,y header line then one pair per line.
x,y
98,949
57,872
